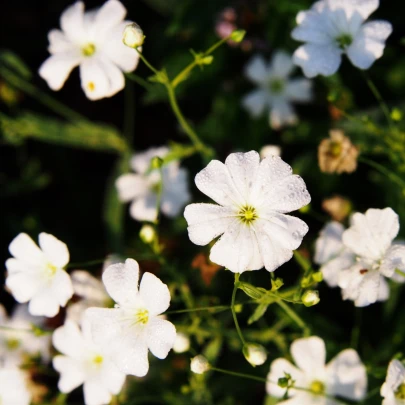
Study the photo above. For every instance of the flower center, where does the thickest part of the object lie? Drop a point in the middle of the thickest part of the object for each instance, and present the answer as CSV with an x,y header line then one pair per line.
x,y
88,49
335,149
98,360
247,214
50,269
142,316
91,86
276,86
317,387
13,344
400,392
344,41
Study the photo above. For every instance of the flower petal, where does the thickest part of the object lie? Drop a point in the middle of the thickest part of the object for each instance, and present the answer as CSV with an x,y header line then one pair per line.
x,y
281,64
71,374
329,243
44,303
140,162
72,22
87,286
95,392
363,7
175,192
144,208
61,287
331,270
23,285
309,354
59,43
256,70
68,340
155,294
22,247
393,260
255,102
282,113
131,186
299,90
160,337
55,250
312,28
110,14
112,378
105,325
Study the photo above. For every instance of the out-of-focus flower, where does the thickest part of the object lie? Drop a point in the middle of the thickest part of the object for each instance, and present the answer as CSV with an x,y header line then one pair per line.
x,y
199,364
344,376
276,91
332,28
134,325
182,343
8,94
143,186
207,268
83,362
133,36
37,274
252,198
18,341
13,387
393,389
226,24
92,40
337,154
270,150
337,207
147,234
399,274
255,354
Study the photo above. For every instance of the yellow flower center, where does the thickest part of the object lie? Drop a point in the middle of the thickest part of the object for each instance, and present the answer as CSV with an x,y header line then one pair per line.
x,y
98,360
13,344
247,214
400,392
50,269
317,387
344,41
91,86
88,49
142,316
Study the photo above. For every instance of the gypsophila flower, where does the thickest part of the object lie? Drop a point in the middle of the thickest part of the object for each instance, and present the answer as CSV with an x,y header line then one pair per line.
x,y
17,343
337,207
83,362
134,326
252,198
199,364
332,28
393,389
37,274
13,387
270,150
344,376
182,343
92,40
276,91
399,274
142,187
255,354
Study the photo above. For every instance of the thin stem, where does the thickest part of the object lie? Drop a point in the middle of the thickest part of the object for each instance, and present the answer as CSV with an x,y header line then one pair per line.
x,y
356,329
242,375
215,308
146,62
295,317
235,319
138,80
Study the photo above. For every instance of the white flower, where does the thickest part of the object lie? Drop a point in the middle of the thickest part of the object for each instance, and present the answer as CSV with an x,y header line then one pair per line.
x,y
92,40
199,364
19,341
275,90
370,238
13,387
85,363
270,150
92,292
344,376
255,354
134,325
252,198
399,275
332,28
36,274
182,343
393,389
142,187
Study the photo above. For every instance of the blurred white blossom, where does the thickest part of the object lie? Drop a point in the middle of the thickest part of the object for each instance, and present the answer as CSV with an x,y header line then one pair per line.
x,y
199,364
344,376
134,326
133,36
142,187
332,28
13,387
255,354
270,150
182,343
92,40
252,198
37,274
276,90
83,362
393,389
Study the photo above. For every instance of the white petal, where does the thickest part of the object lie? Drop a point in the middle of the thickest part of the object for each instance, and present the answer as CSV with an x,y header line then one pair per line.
x,y
68,340
207,221
59,43
384,290
318,59
87,286
282,113
14,389
71,22
112,378
309,354
71,374
256,70
61,287
131,186
255,102
144,208
110,14
22,247
278,369
55,250
44,303
105,325
329,243
393,260
95,392
299,90
161,337
347,376
154,293
121,281
395,375
281,64
23,285
363,7
331,270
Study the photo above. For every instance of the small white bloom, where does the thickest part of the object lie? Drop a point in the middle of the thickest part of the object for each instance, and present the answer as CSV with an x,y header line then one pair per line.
x,y
142,187
92,40
13,387
344,376
134,326
393,389
275,90
36,274
133,36
332,28
255,354
147,234
252,198
182,343
199,364
19,342
270,150
83,362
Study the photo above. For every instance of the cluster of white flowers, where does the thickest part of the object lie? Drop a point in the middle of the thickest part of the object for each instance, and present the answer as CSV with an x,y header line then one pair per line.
x,y
359,258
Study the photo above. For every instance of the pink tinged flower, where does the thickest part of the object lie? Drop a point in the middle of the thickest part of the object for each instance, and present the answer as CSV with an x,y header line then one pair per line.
x,y
36,274
393,389
134,326
332,28
93,41
344,376
252,199
82,362
13,387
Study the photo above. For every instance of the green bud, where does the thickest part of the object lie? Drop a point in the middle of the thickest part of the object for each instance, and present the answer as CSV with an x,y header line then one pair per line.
x,y
206,60
305,209
133,36
283,382
250,290
156,162
310,298
276,284
255,354
396,114
317,276
238,35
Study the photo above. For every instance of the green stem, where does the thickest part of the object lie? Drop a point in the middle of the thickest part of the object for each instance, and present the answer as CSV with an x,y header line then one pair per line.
x,y
242,375
146,62
138,80
216,308
235,318
400,272
129,112
295,317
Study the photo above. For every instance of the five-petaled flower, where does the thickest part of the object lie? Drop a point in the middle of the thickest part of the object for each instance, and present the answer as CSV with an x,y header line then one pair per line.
x,y
134,325
332,28
92,40
37,274
393,389
253,197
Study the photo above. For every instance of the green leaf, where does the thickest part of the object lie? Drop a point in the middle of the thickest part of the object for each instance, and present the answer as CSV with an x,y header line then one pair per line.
x,y
258,313
213,348
15,63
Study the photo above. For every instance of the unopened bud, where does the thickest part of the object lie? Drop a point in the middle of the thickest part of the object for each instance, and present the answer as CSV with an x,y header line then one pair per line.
x,y
199,364
182,343
276,284
317,276
283,382
147,234
255,354
156,162
133,36
238,35
310,298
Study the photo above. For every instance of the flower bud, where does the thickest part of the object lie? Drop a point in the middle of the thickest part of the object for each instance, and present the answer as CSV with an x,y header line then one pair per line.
x,y
283,382
147,234
182,343
310,298
238,35
156,162
199,364
317,276
270,150
133,36
255,354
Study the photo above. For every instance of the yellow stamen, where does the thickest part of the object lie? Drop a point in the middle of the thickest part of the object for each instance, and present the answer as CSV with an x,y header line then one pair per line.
x,y
89,49
91,86
317,387
247,214
142,316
